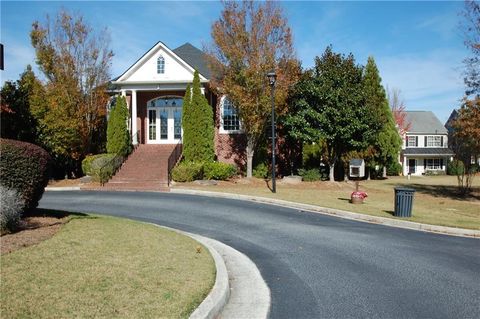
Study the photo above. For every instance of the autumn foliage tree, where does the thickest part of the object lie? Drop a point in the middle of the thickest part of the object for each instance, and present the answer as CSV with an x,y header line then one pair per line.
x,y
471,28
397,105
70,107
467,141
249,40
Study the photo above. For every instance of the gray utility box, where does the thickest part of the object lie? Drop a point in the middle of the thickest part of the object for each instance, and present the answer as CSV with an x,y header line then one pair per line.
x,y
357,168
403,201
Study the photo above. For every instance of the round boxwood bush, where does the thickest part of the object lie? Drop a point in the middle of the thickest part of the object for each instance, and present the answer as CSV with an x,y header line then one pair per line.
x,y
87,163
26,168
219,171
187,172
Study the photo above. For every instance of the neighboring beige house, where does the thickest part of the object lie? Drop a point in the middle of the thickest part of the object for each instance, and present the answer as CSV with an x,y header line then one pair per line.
x,y
425,145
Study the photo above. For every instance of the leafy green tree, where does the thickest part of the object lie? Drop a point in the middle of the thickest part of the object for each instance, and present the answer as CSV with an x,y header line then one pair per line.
x,y
199,126
384,138
118,137
17,121
327,105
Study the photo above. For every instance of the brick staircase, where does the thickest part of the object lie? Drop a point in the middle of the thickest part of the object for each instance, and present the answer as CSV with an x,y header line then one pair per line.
x,y
146,169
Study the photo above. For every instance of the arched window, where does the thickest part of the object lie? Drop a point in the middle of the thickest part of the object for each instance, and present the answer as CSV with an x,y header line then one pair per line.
x,y
230,121
160,65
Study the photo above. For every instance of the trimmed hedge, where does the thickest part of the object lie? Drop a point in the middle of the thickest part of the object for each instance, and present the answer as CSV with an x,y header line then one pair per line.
x,y
26,168
218,171
394,168
187,172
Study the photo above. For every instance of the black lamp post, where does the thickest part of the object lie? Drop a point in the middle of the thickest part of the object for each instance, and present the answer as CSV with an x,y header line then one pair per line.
x,y
271,78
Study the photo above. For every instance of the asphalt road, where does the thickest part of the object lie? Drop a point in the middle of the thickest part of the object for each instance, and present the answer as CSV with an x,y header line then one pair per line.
x,y
316,266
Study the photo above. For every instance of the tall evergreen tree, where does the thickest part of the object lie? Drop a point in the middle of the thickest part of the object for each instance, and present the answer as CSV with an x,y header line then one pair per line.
x,y
118,137
198,129
385,138
187,123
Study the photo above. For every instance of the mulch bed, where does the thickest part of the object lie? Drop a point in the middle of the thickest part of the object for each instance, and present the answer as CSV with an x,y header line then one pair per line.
x,y
32,231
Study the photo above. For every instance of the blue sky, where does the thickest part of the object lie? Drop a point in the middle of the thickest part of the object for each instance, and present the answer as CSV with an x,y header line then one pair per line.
x,y
418,46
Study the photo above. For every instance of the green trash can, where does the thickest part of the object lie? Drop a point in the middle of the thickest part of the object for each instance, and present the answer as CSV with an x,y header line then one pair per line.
x,y
403,201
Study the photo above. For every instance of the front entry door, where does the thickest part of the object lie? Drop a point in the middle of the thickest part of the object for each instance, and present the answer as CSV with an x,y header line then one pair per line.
x,y
412,165
164,122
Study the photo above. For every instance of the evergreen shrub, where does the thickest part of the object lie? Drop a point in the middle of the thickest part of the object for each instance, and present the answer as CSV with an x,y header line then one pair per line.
x,y
455,167
187,172
219,171
26,168
104,166
87,163
393,168
261,171
310,175
118,137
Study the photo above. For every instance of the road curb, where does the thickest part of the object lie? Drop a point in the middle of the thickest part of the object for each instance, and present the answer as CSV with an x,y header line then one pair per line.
x,y
213,304
231,300
56,189
444,230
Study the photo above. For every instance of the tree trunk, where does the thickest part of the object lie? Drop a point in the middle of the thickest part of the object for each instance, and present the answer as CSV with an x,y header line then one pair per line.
x,y
332,171
250,151
384,171
367,169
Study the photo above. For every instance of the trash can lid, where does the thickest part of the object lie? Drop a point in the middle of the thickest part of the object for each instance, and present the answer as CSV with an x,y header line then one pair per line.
x,y
405,189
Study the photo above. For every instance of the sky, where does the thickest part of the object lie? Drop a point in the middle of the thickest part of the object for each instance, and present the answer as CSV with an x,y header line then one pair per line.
x,y
418,46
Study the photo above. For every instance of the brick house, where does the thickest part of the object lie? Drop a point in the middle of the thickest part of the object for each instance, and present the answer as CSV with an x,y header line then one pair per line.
x,y
154,87
425,145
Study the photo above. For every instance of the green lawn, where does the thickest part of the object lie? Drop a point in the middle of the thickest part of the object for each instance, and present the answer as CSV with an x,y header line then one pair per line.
x,y
106,267
436,201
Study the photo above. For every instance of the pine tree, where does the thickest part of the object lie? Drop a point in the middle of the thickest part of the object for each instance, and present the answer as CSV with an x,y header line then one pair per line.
x,y
198,129
385,139
118,137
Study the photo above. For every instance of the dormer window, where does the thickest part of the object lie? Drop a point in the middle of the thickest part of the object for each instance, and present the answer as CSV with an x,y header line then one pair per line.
x,y
160,65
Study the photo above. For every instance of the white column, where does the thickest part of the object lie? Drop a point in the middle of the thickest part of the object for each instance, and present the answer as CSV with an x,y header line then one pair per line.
x,y
134,118
405,168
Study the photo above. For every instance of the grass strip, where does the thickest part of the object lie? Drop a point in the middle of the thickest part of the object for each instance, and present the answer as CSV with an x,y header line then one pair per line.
x,y
106,267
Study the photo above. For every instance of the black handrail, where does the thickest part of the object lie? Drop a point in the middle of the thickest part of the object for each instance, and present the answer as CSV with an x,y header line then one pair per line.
x,y
117,162
173,160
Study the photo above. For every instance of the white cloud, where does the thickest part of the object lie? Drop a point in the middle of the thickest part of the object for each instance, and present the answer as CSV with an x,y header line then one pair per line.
x,y
17,56
430,81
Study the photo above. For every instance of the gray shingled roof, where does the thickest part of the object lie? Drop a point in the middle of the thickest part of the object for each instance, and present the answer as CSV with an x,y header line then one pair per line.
x,y
424,122
194,57
427,151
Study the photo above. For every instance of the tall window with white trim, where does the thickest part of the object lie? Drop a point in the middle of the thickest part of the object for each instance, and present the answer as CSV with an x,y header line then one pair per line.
x,y
160,65
230,120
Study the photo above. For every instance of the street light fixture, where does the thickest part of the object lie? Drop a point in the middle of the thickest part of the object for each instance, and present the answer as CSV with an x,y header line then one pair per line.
x,y
271,78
